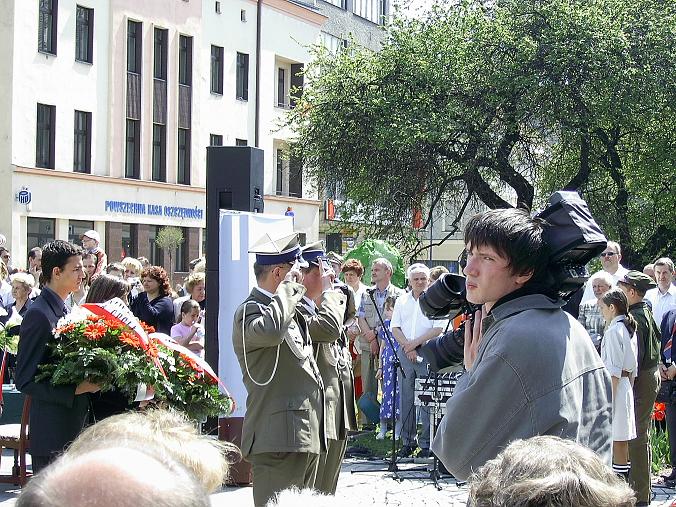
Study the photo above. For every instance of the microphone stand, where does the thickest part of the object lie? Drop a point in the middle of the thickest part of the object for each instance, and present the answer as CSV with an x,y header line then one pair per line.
x,y
396,366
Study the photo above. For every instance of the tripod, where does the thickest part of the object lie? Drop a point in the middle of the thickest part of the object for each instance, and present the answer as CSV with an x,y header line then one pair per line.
x,y
396,367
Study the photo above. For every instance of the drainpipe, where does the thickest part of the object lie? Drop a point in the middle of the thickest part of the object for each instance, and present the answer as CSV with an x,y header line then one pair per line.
x,y
257,105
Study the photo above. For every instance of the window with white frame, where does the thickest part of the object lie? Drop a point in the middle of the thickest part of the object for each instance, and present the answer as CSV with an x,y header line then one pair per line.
x,y
373,10
338,3
332,43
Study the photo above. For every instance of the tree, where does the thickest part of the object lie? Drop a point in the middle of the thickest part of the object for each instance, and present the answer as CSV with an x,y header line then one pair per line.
x,y
497,104
169,238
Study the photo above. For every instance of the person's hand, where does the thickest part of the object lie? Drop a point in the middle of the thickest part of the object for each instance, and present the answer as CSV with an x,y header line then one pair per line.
x,y
87,387
409,346
412,355
294,275
671,371
328,276
353,331
663,372
370,335
379,374
375,348
473,338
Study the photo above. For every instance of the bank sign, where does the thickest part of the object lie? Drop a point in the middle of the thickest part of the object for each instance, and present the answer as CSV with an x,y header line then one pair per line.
x,y
155,210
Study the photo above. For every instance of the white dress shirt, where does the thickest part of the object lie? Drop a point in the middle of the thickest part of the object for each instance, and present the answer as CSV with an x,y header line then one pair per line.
x,y
408,316
660,302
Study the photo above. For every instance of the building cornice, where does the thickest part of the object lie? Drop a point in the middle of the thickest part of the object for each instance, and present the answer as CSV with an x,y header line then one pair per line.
x,y
295,10
291,200
51,173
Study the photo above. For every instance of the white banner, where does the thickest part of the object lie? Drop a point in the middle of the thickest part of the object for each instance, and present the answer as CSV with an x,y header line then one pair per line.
x,y
239,230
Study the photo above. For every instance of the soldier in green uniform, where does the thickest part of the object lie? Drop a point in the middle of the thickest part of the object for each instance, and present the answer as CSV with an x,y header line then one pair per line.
x,y
283,431
335,366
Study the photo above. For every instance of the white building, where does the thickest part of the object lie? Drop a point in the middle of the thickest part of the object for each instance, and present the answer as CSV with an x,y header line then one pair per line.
x,y
110,105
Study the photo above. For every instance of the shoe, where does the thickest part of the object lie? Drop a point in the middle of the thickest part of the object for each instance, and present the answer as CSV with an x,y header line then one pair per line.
x,y
357,450
424,453
380,435
671,476
406,451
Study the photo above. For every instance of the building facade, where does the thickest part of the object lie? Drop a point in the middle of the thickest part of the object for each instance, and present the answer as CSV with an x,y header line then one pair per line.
x,y
110,105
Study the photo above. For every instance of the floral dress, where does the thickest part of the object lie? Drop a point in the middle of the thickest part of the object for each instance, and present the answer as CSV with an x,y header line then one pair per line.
x,y
387,356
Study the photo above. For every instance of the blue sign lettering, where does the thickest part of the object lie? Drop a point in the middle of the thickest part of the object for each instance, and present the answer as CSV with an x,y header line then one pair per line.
x,y
137,208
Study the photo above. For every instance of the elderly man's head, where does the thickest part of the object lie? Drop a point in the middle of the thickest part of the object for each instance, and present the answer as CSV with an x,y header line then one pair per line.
x,y
547,471
601,282
418,276
381,272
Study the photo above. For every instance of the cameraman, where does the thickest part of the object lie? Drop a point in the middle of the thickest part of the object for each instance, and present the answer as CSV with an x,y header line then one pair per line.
x,y
531,368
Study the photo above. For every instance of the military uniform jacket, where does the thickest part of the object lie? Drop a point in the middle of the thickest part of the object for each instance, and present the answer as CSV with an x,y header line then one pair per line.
x,y
330,355
286,413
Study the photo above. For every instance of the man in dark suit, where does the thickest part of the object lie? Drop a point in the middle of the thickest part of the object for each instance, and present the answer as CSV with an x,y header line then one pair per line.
x,y
57,412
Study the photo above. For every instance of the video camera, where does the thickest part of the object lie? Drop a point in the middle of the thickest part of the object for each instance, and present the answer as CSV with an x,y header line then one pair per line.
x,y
573,238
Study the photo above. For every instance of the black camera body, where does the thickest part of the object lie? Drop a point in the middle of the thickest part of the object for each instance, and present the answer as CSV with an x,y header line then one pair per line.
x,y
572,237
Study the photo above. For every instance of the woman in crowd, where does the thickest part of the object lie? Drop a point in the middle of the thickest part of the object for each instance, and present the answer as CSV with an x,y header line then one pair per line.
x,y
103,288
195,286
153,306
5,288
22,286
618,353
590,314
386,374
352,274
189,331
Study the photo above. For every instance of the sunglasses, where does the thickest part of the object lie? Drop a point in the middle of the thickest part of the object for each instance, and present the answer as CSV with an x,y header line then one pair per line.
x,y
607,254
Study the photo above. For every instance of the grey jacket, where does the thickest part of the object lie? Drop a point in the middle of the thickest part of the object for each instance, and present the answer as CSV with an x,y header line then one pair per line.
x,y
536,373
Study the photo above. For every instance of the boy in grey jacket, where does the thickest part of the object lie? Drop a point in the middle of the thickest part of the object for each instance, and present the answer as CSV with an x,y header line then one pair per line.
x,y
531,367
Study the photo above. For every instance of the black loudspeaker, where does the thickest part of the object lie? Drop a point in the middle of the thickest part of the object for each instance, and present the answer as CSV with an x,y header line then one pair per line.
x,y
234,181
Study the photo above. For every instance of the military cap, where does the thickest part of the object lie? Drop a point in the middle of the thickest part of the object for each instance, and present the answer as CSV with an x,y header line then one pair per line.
x,y
334,257
314,252
638,280
278,251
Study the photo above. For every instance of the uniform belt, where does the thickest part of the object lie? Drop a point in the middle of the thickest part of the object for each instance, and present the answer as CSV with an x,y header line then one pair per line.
x,y
626,373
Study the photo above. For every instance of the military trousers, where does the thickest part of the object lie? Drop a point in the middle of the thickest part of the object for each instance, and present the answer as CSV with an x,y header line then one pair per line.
x,y
277,471
329,466
646,386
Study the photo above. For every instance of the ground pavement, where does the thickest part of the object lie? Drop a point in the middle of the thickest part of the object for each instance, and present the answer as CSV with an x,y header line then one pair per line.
x,y
372,488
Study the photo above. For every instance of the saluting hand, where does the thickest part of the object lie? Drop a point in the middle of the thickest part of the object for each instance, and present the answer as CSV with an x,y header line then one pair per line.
x,y
294,275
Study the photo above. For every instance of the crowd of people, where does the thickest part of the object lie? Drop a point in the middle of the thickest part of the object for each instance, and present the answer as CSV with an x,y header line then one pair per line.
x,y
317,346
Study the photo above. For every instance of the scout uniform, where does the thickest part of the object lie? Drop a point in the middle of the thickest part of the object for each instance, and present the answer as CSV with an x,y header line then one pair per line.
x,y
283,431
335,366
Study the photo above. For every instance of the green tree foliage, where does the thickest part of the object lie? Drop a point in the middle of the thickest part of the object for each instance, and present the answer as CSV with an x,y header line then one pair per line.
x,y
169,238
498,104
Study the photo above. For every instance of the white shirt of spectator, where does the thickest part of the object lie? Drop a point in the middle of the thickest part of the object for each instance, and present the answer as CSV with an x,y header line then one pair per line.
x,y
589,291
661,303
408,316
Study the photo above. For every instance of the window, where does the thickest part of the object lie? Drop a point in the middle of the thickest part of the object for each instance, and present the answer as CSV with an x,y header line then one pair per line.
x,y
134,47
373,10
39,231
332,43
281,88
47,26
241,142
279,185
338,3
215,140
295,177
156,256
76,228
129,237
183,156
217,69
84,34
159,152
242,15
160,54
185,60
217,7
44,146
242,76
82,142
132,161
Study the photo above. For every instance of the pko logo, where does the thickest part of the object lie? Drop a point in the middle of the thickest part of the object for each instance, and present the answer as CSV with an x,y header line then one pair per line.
x,y
23,196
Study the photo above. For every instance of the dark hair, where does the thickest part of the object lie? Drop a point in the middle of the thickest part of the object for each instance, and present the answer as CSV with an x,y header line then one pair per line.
x,y
514,235
188,306
56,254
353,265
105,287
261,269
115,266
618,298
160,275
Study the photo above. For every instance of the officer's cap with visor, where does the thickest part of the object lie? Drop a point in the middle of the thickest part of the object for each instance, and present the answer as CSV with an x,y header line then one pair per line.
x,y
314,253
284,250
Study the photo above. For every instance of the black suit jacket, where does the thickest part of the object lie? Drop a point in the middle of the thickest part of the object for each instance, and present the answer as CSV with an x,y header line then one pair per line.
x,y
668,329
57,415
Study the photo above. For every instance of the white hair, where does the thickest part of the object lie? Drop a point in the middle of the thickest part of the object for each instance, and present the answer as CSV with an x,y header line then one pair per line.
x,y
605,277
382,261
418,267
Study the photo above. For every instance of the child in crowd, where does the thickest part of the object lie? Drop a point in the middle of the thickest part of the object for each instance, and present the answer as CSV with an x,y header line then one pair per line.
x,y
387,374
618,353
189,331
